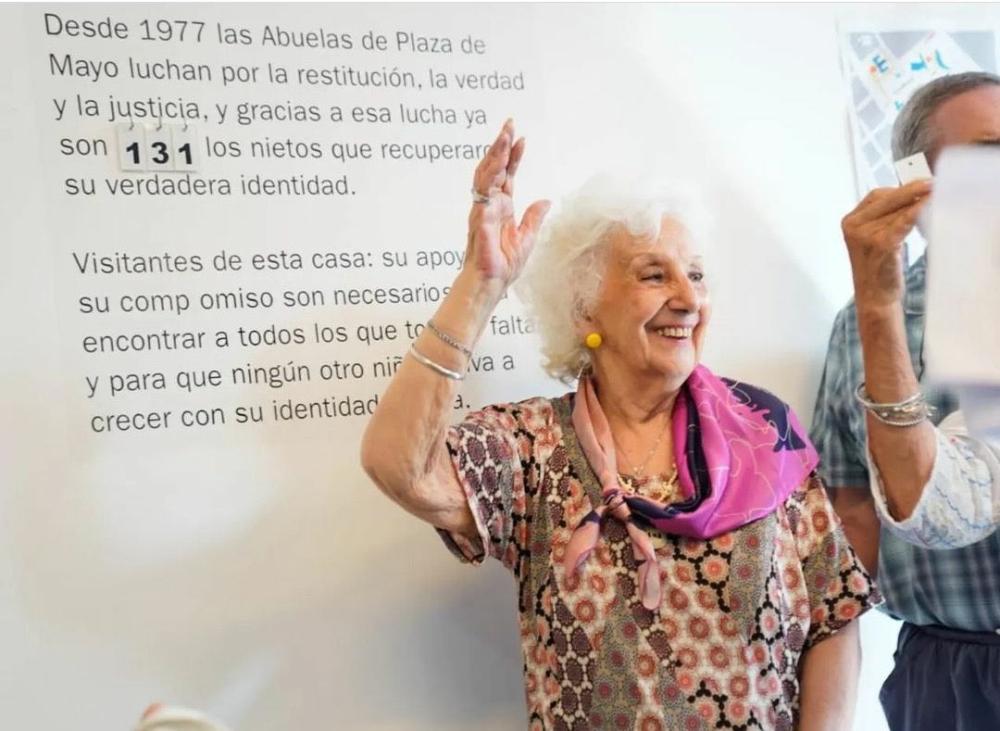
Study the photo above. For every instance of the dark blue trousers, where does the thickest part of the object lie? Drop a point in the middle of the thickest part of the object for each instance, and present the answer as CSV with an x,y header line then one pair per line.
x,y
944,680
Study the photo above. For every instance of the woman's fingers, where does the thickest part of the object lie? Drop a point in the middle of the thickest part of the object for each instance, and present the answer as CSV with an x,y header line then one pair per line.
x,y
516,153
492,168
532,219
496,240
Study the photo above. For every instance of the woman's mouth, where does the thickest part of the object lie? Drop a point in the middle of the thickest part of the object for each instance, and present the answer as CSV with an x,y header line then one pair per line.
x,y
677,333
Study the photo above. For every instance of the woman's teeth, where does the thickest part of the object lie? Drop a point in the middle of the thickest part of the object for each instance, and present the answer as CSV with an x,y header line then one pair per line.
x,y
675,332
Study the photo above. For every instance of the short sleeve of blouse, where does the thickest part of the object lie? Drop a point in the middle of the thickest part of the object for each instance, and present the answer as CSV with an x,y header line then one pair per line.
x,y
840,589
491,452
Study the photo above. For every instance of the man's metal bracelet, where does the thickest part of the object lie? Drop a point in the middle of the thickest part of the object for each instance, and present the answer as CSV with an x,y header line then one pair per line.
x,y
909,412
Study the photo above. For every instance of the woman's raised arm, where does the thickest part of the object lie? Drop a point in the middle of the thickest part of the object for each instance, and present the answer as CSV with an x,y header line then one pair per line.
x,y
403,448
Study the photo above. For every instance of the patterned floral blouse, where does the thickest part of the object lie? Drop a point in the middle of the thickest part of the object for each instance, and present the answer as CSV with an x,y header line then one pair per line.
x,y
738,611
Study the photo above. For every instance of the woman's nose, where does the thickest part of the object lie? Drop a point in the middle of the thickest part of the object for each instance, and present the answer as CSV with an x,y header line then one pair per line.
x,y
685,297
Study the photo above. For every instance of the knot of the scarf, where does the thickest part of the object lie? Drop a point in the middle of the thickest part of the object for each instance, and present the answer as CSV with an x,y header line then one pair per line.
x,y
598,445
584,540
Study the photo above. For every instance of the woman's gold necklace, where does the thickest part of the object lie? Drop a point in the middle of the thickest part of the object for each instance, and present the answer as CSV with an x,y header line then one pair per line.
x,y
661,488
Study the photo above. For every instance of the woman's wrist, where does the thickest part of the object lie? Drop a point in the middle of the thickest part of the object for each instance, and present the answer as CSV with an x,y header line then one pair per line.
x,y
478,289
462,316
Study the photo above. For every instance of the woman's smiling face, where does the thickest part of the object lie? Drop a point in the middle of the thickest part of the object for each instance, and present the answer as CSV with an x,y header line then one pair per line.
x,y
653,307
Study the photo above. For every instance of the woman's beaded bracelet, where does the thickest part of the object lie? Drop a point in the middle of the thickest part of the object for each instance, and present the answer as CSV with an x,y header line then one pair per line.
x,y
448,339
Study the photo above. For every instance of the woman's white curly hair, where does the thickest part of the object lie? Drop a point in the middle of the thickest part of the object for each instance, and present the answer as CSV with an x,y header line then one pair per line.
x,y
564,274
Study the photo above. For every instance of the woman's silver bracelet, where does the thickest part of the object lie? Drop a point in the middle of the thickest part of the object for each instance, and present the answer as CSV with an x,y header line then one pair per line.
x,y
909,412
436,367
448,339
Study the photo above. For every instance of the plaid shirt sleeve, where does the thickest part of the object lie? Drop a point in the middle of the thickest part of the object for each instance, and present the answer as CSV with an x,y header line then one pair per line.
x,y
838,425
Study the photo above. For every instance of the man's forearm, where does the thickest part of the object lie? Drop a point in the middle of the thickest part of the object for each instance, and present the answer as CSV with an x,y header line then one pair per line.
x,y
904,455
856,509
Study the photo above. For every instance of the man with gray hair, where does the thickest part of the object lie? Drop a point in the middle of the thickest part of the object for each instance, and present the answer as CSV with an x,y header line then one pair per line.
x,y
912,487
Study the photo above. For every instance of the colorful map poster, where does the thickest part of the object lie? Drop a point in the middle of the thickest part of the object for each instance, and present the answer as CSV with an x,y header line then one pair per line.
x,y
883,68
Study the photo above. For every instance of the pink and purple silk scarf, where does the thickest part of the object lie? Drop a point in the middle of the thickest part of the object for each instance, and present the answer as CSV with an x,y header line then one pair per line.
x,y
740,452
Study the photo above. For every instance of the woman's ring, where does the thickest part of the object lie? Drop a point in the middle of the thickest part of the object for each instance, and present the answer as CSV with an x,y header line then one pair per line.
x,y
478,197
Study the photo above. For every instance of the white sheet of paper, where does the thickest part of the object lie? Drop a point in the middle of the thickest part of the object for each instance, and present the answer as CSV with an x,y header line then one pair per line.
x,y
962,343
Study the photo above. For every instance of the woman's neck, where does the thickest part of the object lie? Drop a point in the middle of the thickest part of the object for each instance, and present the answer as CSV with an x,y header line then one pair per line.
x,y
634,406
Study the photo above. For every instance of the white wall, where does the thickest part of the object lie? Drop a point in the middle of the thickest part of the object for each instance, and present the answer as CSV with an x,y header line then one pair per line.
x,y
253,571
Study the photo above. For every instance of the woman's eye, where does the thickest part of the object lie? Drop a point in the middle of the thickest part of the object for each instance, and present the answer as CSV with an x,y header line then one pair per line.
x,y
652,276
696,276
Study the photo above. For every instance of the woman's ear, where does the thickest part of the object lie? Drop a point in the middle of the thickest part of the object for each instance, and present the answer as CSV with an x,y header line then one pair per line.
x,y
583,322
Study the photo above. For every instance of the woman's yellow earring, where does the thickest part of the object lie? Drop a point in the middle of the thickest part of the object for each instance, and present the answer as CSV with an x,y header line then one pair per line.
x,y
593,341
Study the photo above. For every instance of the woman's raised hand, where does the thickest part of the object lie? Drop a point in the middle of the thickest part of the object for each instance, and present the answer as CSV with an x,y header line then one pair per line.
x,y
498,246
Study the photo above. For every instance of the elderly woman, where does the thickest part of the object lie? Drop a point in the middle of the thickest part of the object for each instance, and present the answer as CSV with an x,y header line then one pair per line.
x,y
678,564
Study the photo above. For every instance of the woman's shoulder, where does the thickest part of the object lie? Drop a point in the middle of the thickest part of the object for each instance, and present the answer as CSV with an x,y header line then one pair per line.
x,y
530,414
810,514
531,428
